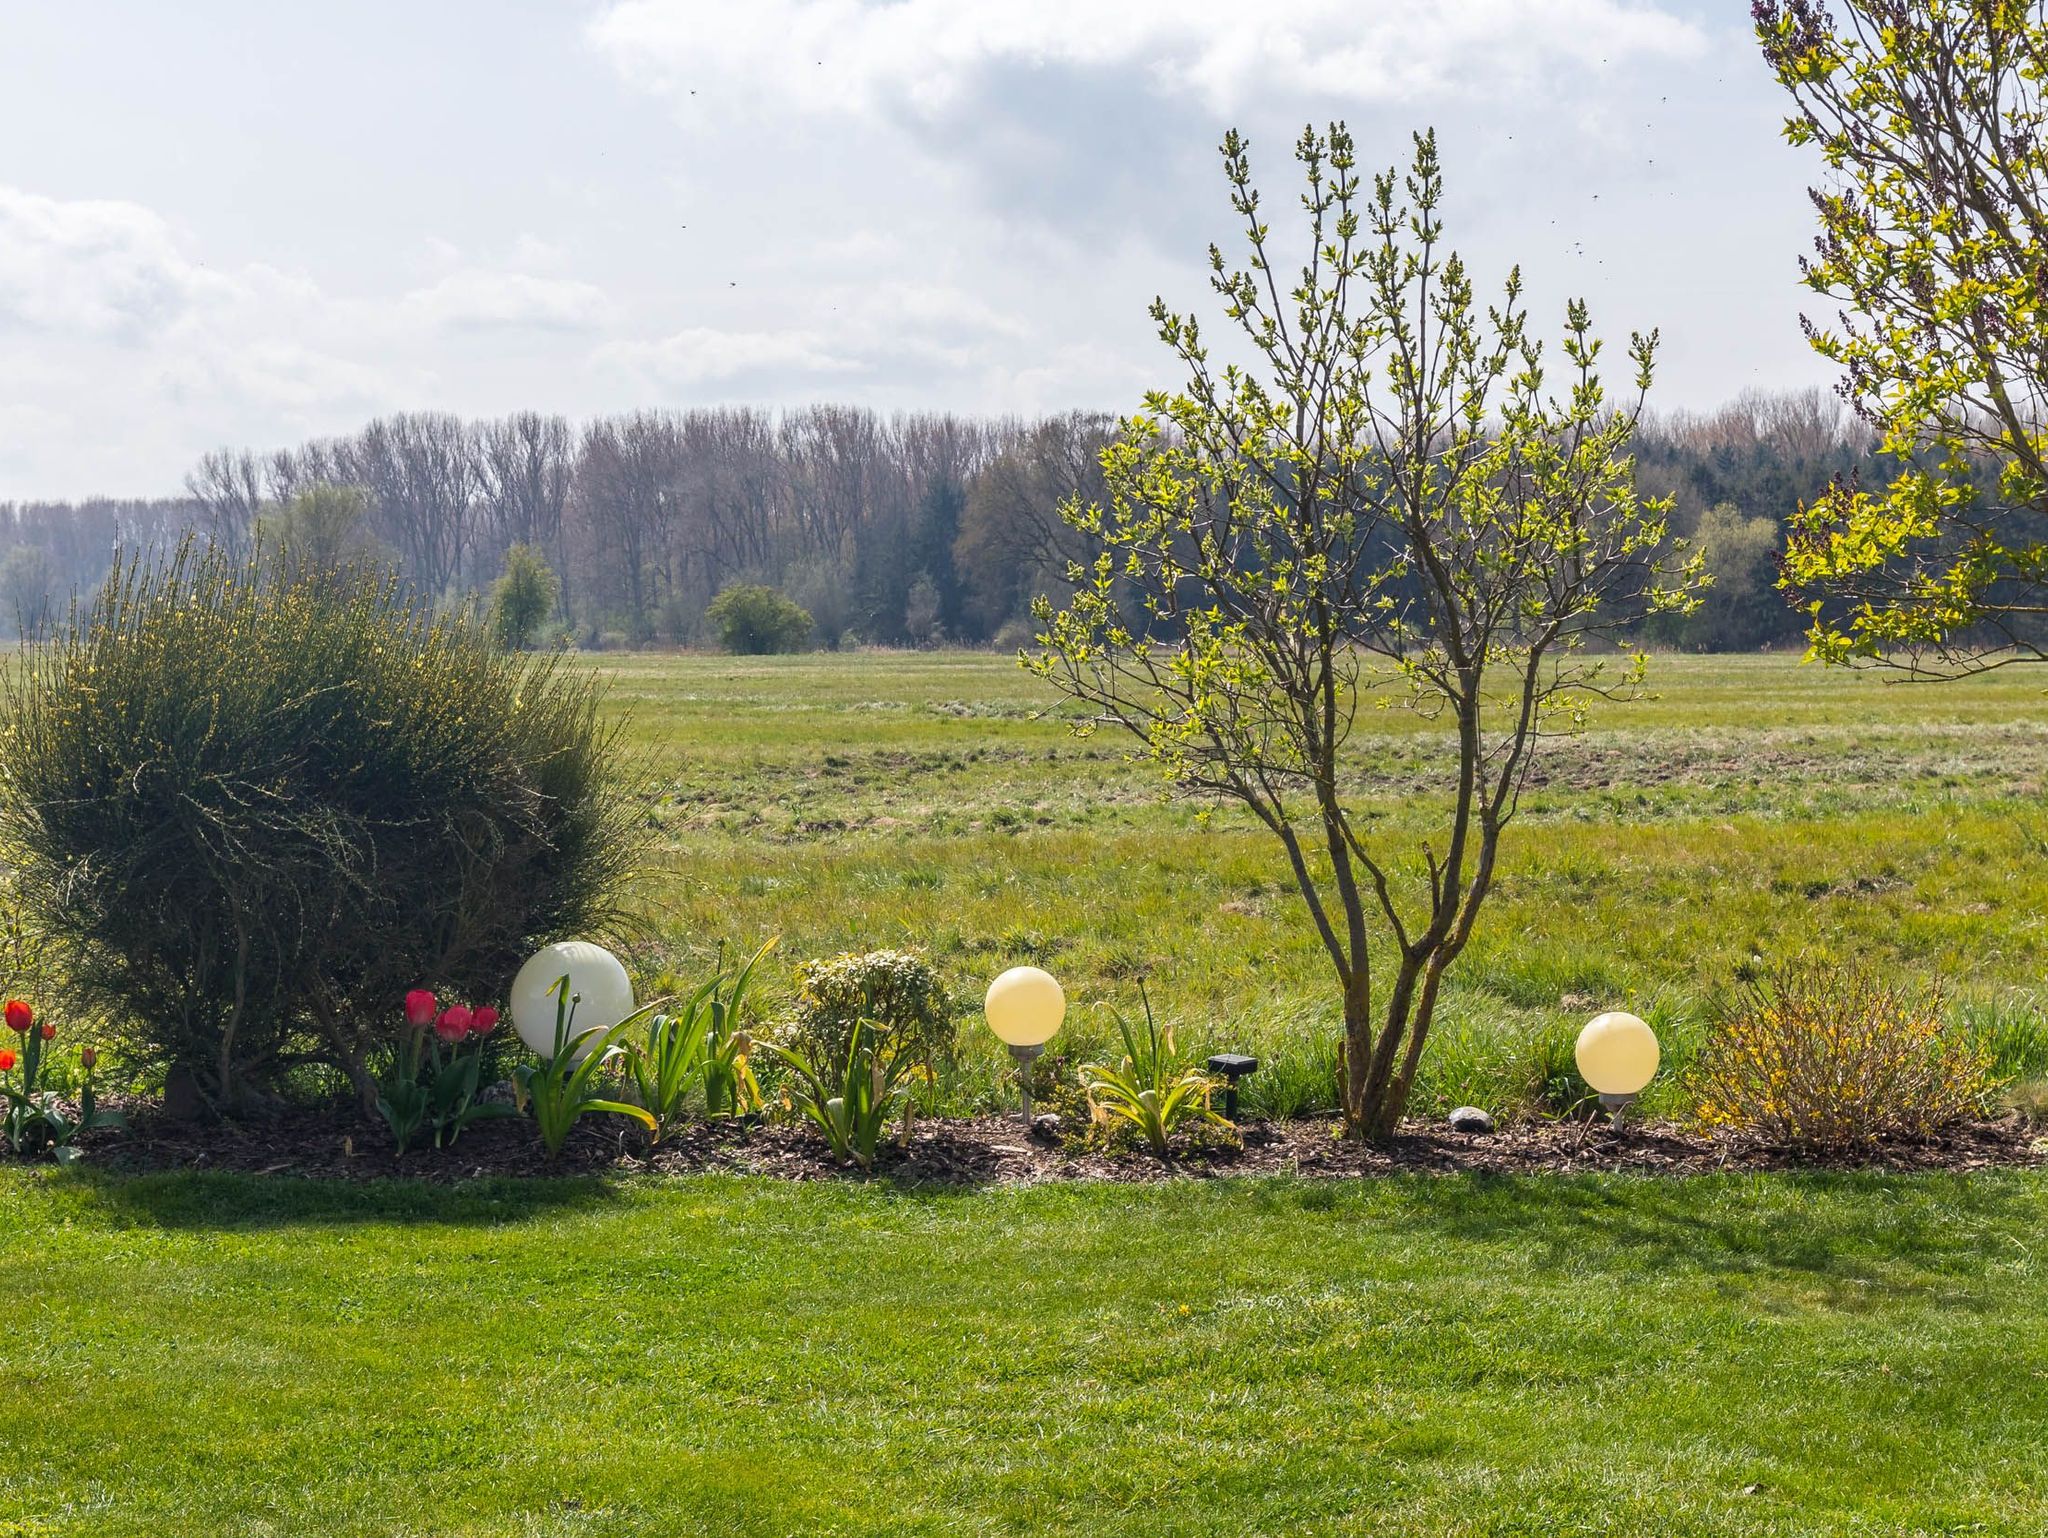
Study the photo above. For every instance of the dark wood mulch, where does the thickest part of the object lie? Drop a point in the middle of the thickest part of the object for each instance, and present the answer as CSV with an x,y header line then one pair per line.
x,y
998,1150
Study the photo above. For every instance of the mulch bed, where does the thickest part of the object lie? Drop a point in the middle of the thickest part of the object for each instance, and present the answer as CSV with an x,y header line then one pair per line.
x,y
994,1150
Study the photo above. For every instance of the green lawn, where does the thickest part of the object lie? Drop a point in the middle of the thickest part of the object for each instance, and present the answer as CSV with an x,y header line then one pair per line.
x,y
1767,1355
1771,1355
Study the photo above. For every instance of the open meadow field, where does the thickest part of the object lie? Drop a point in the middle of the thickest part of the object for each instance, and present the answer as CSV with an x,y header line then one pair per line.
x,y
1752,808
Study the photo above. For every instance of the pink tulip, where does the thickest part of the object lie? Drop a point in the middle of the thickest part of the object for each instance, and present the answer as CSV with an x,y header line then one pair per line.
x,y
453,1024
419,1007
482,1019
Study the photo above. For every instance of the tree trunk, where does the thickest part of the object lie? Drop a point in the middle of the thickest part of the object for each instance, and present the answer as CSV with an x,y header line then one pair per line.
x,y
1358,1056
1394,1103
349,1058
365,1085
1370,1057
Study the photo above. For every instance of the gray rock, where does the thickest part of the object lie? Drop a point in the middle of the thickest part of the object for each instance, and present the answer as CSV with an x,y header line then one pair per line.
x,y
1469,1118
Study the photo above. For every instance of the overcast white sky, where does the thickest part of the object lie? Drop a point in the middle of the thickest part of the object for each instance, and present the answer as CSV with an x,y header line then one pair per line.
x,y
227,223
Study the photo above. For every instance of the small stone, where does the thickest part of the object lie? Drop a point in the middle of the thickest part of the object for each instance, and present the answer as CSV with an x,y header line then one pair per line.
x,y
1469,1118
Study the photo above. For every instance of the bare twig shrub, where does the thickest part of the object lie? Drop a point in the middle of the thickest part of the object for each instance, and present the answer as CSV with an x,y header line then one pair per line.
x,y
1831,1057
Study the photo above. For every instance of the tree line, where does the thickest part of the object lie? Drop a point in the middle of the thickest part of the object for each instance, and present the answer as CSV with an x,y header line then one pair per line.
x,y
907,530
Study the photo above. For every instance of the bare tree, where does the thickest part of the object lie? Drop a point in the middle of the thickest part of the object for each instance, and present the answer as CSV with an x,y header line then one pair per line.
x,y
1013,543
421,477
228,486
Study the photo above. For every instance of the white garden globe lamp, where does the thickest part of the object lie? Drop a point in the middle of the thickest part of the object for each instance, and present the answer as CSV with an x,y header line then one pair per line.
x,y
1617,1055
1025,1007
600,994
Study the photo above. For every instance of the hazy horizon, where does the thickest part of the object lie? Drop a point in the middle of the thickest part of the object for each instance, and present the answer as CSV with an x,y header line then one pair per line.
x,y
246,226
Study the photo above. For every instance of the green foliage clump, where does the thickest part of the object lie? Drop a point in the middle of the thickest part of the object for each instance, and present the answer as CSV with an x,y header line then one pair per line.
x,y
1152,1090
851,1098
575,1080
1931,253
753,620
701,1047
257,805
523,598
897,990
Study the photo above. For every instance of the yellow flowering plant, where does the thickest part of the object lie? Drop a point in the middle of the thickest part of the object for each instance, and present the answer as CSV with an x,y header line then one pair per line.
x,y
1828,1057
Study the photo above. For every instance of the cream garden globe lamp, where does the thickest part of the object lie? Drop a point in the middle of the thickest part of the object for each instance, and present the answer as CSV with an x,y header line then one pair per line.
x,y
600,995
1617,1055
1025,1007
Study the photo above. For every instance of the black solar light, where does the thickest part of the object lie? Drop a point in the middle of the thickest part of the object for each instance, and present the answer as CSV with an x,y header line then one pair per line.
x,y
1233,1066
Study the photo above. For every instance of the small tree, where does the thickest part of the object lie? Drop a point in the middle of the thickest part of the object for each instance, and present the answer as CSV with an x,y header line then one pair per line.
x,y
323,529
921,611
1743,610
751,619
522,598
1930,117
255,812
1389,511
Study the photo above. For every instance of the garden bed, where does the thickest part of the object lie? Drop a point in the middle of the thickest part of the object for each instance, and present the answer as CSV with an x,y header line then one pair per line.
x,y
995,1150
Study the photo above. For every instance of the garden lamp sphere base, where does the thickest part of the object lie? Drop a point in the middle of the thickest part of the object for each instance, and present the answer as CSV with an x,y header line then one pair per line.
x,y
1025,1053
1614,1105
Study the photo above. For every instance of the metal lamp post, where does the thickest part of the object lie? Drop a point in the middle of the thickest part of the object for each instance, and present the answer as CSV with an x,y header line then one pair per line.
x,y
1025,1007
1617,1055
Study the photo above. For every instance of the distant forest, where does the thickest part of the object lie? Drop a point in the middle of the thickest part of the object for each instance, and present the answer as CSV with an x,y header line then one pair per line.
x,y
899,530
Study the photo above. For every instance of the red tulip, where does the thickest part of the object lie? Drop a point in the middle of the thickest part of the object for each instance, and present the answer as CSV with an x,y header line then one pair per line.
x,y
481,1020
454,1023
19,1016
87,1056
6,1060
419,1007
49,1031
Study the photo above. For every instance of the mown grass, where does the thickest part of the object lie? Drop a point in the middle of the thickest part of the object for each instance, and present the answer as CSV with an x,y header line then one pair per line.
x,y
1728,1355
1753,809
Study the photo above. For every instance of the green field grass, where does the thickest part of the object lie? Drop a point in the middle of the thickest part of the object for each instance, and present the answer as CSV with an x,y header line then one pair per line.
x,y
1752,808
210,1356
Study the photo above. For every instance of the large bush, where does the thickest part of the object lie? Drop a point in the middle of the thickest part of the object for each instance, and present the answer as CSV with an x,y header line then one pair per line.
x,y
751,619
258,807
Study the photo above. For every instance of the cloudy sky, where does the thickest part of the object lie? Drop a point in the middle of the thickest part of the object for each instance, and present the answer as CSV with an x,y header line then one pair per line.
x,y
227,223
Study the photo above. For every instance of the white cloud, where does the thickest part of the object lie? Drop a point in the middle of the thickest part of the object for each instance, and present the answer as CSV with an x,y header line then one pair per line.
x,y
123,337
96,269
474,298
924,56
698,355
